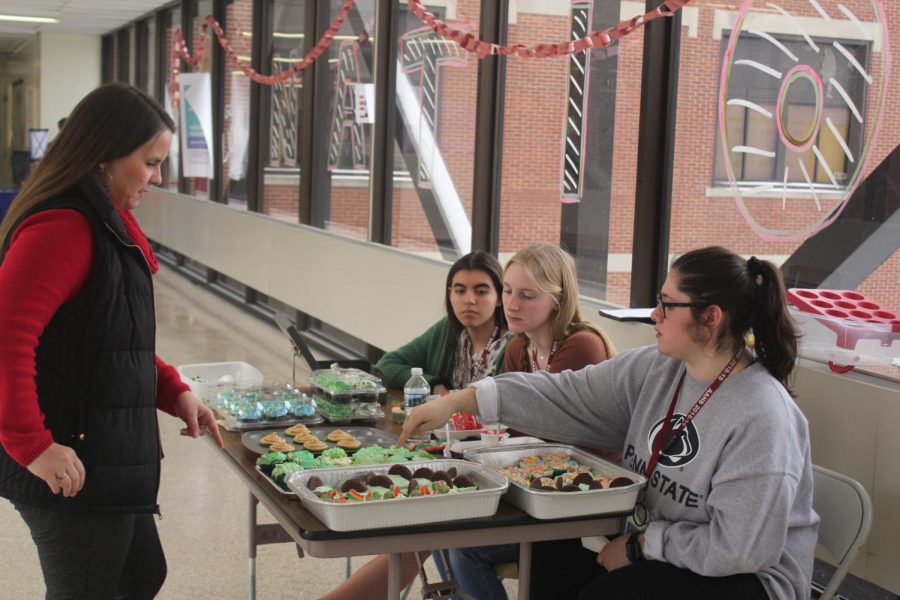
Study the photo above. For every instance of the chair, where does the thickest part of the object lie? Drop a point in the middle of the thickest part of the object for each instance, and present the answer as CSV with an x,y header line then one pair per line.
x,y
845,510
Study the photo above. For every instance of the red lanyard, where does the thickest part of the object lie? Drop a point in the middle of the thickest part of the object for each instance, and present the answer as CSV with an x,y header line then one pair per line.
x,y
487,347
534,361
662,438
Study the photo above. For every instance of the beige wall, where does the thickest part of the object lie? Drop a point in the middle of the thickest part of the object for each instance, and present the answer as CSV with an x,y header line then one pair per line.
x,y
69,69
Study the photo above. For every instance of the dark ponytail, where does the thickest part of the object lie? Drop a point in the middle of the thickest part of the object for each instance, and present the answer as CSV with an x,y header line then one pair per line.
x,y
751,295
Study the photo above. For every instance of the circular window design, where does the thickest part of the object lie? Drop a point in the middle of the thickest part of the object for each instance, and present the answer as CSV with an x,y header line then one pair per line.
x,y
801,98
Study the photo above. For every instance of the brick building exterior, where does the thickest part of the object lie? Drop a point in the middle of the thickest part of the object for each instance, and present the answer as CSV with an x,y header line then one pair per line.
x,y
703,211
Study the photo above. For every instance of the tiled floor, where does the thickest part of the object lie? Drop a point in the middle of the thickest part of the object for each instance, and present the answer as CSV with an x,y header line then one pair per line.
x,y
204,506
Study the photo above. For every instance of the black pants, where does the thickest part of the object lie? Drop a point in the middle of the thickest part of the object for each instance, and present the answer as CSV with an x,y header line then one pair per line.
x,y
97,556
565,569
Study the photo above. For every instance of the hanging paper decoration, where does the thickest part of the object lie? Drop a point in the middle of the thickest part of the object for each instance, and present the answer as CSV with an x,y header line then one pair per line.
x,y
596,39
209,21
800,107
468,41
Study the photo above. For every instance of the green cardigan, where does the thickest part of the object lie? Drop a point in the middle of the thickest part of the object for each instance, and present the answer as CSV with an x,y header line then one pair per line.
x,y
429,351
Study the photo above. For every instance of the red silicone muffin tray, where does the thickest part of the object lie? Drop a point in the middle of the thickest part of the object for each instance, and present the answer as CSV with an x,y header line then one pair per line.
x,y
850,314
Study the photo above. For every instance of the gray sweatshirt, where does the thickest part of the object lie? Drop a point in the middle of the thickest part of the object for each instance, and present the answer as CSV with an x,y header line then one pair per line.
x,y
733,495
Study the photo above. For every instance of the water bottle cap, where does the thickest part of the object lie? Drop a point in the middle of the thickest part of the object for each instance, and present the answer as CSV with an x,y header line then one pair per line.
x,y
416,370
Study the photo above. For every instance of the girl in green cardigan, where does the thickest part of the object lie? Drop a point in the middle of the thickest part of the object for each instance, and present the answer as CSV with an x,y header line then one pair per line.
x,y
466,345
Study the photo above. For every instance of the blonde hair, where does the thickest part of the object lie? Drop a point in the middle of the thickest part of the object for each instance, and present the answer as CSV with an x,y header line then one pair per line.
x,y
553,272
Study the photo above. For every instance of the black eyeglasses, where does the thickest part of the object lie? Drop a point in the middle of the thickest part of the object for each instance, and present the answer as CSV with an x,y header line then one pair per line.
x,y
662,305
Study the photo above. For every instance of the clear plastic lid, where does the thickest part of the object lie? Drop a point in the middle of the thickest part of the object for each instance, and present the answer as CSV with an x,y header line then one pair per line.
x,y
338,380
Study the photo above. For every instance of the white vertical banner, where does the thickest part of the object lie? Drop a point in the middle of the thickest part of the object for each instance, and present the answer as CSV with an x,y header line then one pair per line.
x,y
364,102
175,150
238,126
196,124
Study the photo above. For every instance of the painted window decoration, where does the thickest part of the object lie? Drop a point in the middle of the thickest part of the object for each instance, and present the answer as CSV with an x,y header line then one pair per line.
x,y
287,51
351,119
800,103
576,105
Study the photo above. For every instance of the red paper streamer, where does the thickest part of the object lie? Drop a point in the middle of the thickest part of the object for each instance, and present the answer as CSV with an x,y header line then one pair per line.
x,y
595,39
467,40
181,52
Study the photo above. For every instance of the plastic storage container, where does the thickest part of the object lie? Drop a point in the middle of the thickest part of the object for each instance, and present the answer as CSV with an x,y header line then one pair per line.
x,y
258,407
343,395
208,379
845,328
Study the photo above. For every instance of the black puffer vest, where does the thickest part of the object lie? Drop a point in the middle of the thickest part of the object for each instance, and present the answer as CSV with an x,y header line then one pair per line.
x,y
96,374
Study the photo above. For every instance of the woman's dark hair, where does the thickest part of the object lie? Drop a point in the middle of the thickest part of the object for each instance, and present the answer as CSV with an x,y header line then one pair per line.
x,y
751,295
112,121
474,261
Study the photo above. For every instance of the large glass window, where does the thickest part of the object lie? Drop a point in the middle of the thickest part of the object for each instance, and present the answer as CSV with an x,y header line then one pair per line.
x,y
123,54
114,57
342,194
236,136
569,143
436,89
108,62
132,57
811,144
281,195
151,46
752,123
173,162
197,108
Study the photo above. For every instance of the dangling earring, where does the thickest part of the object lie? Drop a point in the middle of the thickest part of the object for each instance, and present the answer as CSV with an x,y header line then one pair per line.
x,y
107,185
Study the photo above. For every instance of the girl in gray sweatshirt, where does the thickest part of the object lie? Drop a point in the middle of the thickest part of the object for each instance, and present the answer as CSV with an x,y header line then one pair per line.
x,y
711,423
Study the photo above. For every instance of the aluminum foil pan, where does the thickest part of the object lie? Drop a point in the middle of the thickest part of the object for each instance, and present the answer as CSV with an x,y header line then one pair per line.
x,y
561,505
402,512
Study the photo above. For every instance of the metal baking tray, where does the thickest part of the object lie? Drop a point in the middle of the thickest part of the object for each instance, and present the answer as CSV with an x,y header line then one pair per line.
x,y
411,464
561,505
273,484
367,435
402,512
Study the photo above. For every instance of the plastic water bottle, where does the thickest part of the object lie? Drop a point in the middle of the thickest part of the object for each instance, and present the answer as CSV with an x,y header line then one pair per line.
x,y
414,393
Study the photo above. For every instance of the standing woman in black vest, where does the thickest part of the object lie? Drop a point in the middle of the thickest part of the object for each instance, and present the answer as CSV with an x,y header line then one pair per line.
x,y
80,382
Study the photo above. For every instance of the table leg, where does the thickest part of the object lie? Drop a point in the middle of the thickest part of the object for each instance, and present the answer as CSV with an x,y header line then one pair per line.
x,y
251,547
394,576
524,570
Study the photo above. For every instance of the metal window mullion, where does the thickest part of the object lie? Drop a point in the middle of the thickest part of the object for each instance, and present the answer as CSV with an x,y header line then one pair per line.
x,y
124,57
162,72
217,68
260,104
106,45
489,130
315,183
140,63
188,10
306,116
656,149
381,171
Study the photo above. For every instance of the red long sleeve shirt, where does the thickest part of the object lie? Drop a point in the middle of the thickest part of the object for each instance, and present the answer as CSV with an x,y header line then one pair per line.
x,y
47,264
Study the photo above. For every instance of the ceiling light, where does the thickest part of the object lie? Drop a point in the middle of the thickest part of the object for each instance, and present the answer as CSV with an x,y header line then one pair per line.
x,y
24,19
